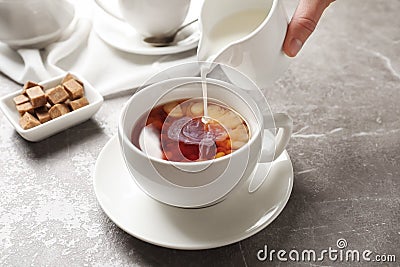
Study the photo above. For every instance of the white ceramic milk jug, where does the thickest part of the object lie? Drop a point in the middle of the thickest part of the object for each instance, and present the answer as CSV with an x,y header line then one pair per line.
x,y
246,35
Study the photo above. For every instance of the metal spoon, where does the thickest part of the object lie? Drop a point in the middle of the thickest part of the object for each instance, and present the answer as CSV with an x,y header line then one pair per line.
x,y
166,40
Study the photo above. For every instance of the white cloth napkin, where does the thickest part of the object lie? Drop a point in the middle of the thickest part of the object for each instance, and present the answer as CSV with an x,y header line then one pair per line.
x,y
80,50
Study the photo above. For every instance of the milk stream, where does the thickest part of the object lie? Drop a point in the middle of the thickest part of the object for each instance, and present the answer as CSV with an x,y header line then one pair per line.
x,y
228,30
204,70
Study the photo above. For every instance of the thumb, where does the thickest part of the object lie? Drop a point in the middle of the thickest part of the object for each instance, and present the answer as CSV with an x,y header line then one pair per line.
x,y
303,23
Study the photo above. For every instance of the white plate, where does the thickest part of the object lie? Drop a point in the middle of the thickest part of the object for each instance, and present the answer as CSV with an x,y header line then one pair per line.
x,y
122,36
56,125
239,216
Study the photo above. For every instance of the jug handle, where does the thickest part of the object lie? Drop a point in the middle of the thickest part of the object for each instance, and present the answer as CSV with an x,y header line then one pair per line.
x,y
108,10
285,125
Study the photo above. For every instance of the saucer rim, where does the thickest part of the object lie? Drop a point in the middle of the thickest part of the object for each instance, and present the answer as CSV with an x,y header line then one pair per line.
x,y
211,244
150,50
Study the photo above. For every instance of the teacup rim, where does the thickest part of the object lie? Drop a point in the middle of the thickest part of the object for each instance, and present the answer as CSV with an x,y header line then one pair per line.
x,y
126,140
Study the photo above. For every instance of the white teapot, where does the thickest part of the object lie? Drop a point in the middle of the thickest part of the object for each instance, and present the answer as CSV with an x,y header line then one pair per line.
x,y
33,23
247,35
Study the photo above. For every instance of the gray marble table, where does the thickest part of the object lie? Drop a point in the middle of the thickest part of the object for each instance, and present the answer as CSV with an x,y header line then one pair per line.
x,y
343,92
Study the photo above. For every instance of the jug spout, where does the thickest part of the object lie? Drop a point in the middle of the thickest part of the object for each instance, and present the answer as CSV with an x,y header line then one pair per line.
x,y
247,35
202,53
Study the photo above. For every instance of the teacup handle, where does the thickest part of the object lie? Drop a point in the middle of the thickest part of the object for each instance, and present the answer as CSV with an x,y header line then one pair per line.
x,y
107,10
285,125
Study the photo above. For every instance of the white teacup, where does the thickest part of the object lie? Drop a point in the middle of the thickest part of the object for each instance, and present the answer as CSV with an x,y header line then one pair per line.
x,y
155,18
199,184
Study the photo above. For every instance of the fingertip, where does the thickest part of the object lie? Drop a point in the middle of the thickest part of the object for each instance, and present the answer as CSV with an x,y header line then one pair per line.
x,y
292,47
303,24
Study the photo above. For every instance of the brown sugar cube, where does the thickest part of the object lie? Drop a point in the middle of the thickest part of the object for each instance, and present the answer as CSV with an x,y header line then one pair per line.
x,y
42,114
74,89
58,110
20,99
24,108
37,96
68,77
28,121
28,85
76,104
57,95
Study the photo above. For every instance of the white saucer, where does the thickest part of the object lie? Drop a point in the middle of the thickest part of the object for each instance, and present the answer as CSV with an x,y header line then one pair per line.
x,y
122,36
239,216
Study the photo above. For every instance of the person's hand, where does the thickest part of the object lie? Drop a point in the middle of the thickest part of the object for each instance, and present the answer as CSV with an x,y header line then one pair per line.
x,y
303,23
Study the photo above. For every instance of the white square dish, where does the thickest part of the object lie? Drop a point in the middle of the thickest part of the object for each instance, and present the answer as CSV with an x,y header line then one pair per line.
x,y
56,125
